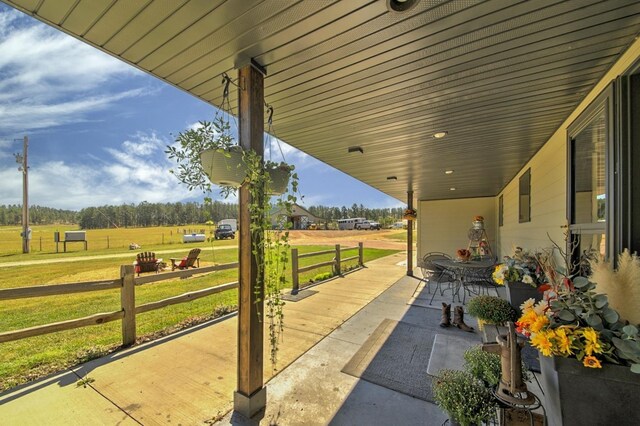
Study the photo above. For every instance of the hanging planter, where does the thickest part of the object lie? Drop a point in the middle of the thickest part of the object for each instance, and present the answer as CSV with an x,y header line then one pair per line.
x,y
410,214
280,175
208,153
224,167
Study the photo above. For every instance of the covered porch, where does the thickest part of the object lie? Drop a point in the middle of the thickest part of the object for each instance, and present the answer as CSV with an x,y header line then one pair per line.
x,y
456,108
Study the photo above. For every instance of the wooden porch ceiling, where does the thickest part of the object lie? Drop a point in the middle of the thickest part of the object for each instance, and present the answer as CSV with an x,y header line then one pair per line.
x,y
498,76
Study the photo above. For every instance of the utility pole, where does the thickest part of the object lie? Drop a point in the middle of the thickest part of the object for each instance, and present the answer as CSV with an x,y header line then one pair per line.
x,y
24,168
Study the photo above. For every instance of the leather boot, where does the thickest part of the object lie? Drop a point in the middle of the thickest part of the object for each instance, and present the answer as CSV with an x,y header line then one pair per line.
x,y
458,319
446,315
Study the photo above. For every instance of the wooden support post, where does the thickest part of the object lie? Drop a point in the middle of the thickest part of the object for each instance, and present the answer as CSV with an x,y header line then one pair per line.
x,y
361,254
250,396
410,236
338,266
294,272
128,303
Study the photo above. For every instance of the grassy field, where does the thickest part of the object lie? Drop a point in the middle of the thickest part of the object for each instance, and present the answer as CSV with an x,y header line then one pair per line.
x,y
29,358
100,241
401,235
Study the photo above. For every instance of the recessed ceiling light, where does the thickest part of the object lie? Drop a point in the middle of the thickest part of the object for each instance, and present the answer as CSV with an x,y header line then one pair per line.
x,y
440,135
356,149
452,189
392,178
448,172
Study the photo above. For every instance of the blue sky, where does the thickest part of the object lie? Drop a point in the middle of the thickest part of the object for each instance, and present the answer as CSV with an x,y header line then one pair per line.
x,y
98,127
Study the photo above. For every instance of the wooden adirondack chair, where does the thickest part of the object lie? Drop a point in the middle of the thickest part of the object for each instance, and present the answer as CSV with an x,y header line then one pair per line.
x,y
190,261
147,262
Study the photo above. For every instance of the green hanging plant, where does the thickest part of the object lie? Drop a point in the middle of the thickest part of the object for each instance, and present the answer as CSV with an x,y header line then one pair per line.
x,y
264,178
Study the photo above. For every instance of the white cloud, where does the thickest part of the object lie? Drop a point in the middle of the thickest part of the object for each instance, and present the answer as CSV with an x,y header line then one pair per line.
x,y
275,149
137,171
48,78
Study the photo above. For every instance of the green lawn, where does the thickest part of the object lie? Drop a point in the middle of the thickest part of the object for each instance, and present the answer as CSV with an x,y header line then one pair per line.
x,y
30,358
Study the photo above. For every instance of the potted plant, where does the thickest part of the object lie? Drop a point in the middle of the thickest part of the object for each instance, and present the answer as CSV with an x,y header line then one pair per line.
x,y
208,154
463,254
522,275
465,399
587,354
491,310
410,214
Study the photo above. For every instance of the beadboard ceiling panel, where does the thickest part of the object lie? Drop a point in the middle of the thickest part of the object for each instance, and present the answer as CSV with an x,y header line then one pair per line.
x,y
499,76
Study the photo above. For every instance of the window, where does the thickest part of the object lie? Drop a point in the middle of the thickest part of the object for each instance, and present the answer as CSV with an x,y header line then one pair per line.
x,y
500,211
590,177
524,210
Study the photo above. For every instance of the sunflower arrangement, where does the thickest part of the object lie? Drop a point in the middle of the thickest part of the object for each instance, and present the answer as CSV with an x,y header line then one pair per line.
x,y
579,324
521,267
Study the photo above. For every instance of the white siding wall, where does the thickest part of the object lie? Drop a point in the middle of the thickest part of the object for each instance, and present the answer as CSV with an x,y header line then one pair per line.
x,y
444,224
549,179
548,201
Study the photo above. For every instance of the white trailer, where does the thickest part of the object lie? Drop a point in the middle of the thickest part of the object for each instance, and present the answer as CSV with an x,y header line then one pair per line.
x,y
349,223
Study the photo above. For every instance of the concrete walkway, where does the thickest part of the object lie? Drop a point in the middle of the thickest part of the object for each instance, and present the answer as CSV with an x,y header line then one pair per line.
x,y
189,378
315,391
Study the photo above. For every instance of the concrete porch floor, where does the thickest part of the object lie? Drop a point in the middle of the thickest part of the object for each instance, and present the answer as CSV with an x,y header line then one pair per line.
x,y
188,378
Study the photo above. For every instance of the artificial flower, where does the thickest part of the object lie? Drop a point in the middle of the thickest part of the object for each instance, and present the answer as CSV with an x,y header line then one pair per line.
x,y
563,341
540,322
542,341
592,344
591,362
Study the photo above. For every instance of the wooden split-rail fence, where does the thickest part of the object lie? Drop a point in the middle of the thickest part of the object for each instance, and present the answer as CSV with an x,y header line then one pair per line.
x,y
127,282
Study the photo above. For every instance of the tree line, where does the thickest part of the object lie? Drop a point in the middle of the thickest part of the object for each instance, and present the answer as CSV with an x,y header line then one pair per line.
x,y
12,215
168,214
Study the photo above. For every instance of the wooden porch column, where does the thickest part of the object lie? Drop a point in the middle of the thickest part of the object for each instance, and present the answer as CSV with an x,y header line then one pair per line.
x,y
250,396
410,236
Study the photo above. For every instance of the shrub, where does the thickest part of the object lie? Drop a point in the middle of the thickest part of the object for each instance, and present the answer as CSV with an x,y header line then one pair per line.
x,y
486,366
463,397
321,277
491,309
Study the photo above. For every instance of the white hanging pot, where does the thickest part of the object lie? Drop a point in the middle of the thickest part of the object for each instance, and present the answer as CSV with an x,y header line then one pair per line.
x,y
224,167
279,179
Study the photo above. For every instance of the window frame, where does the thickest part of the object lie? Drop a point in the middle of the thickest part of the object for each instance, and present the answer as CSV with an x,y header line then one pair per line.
x,y
521,217
605,101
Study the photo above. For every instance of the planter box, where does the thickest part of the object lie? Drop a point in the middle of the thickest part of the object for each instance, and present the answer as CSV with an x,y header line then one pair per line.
x,y
518,292
577,395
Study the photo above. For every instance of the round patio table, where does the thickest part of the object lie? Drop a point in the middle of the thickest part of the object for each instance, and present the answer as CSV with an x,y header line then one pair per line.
x,y
460,271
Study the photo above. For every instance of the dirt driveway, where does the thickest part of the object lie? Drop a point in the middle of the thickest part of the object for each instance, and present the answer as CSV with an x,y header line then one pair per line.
x,y
372,239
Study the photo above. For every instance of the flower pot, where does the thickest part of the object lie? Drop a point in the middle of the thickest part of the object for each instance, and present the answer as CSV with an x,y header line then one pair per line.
x,y
224,168
279,180
518,292
577,395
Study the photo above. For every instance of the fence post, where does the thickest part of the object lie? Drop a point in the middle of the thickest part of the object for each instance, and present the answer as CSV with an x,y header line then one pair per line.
x,y
294,271
361,254
338,266
108,242
128,302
